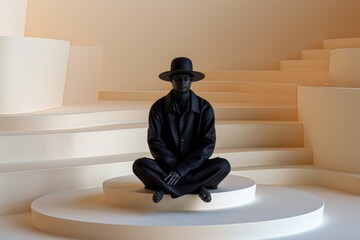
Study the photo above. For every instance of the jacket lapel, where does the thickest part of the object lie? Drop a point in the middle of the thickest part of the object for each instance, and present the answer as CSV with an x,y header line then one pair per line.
x,y
172,115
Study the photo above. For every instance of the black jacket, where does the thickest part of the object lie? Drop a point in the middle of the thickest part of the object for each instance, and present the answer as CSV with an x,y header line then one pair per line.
x,y
181,142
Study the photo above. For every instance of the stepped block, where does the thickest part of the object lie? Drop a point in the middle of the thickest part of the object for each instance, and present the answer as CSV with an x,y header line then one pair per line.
x,y
12,17
304,65
123,138
315,54
213,97
341,43
271,76
83,75
32,74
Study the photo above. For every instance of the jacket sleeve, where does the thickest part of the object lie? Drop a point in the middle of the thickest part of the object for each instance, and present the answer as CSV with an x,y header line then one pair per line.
x,y
204,147
157,146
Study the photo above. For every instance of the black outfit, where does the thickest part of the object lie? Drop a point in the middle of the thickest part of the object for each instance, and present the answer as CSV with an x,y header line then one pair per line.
x,y
181,138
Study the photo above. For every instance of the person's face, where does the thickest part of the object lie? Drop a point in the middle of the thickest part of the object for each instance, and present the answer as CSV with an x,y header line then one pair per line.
x,y
181,83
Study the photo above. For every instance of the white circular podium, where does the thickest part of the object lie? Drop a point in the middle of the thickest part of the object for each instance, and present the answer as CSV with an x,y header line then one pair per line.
x,y
275,212
129,192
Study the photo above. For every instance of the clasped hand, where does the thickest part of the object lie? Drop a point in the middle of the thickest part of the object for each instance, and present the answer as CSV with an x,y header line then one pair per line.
x,y
172,178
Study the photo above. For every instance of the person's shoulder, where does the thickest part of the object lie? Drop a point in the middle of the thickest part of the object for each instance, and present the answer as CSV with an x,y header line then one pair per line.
x,y
159,104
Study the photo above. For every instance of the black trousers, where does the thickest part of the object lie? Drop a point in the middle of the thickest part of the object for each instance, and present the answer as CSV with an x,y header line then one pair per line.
x,y
209,175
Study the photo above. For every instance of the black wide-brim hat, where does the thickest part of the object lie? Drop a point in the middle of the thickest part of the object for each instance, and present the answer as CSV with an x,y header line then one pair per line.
x,y
182,65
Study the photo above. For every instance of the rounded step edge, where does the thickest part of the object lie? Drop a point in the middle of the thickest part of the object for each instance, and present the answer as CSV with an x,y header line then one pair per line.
x,y
85,214
128,192
78,119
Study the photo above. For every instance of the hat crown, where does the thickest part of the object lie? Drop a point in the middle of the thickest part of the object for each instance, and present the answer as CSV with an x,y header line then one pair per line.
x,y
181,63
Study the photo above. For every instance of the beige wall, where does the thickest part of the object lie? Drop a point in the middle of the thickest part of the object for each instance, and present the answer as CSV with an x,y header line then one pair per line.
x,y
140,37
331,117
83,74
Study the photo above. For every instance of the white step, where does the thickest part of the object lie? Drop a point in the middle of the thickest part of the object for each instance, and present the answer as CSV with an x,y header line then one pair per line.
x,y
73,116
129,192
245,86
315,54
259,134
238,157
50,176
256,112
102,113
85,215
270,76
246,157
341,43
213,97
130,138
302,174
304,65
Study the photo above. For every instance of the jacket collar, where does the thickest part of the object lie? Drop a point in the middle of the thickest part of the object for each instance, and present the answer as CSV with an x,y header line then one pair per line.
x,y
194,103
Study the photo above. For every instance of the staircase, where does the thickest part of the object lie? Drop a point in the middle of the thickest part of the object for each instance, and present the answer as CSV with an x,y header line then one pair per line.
x,y
62,157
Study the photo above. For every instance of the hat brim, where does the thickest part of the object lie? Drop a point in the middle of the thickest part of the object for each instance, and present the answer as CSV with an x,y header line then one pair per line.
x,y
196,76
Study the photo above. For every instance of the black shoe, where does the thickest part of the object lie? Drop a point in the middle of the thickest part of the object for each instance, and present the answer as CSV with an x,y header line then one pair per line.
x,y
204,195
158,196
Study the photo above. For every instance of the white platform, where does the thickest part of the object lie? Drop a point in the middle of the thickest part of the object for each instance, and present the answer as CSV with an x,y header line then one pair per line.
x,y
128,192
85,214
340,220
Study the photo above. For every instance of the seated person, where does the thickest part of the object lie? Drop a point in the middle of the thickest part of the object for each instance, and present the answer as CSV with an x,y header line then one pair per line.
x,y
181,138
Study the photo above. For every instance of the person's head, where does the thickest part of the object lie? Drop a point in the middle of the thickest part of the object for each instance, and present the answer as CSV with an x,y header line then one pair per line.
x,y
181,82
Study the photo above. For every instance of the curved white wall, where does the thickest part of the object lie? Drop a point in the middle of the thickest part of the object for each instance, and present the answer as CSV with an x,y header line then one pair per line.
x,y
32,74
344,67
12,17
331,117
